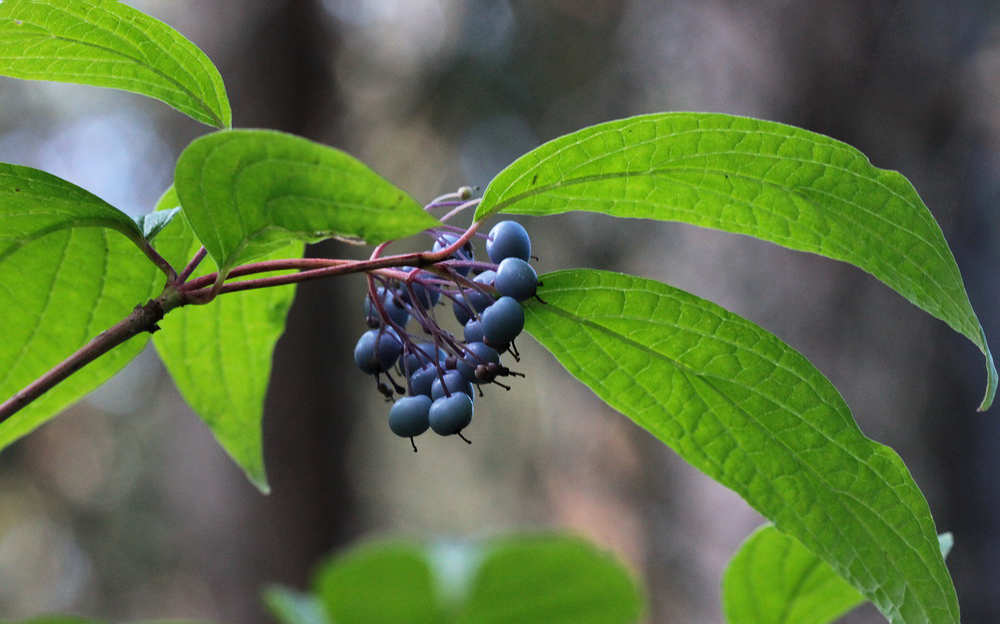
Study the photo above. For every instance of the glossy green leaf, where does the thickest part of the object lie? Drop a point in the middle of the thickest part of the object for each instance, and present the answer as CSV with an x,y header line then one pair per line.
x,y
753,414
153,223
380,582
34,203
551,580
292,607
775,182
106,43
774,579
247,192
66,274
219,354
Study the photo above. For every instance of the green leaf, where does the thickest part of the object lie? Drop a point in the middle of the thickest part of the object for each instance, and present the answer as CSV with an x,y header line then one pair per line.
x,y
34,203
66,274
292,607
219,354
753,414
153,223
247,192
106,43
774,579
775,182
524,579
549,579
389,581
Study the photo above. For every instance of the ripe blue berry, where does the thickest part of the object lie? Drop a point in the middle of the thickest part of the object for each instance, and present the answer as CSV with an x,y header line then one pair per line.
x,y
424,353
515,278
463,313
502,321
449,415
377,350
477,355
508,239
422,380
473,331
397,313
426,296
464,253
410,416
455,383
476,298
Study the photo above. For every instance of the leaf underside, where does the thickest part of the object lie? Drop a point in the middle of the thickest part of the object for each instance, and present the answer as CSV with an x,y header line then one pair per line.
x,y
106,43
248,192
775,182
219,354
60,291
753,414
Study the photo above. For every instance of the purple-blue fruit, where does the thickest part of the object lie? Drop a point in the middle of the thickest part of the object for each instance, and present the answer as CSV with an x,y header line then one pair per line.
x,y
502,321
477,354
508,239
515,278
410,416
449,415
454,382
377,350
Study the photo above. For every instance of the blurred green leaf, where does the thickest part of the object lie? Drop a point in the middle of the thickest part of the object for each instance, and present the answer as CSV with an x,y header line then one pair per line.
x,y
547,579
292,607
755,415
106,43
248,192
390,581
778,183
519,579
67,273
219,354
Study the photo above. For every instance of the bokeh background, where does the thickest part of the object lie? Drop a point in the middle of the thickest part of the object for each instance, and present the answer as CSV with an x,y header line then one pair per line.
x,y
124,508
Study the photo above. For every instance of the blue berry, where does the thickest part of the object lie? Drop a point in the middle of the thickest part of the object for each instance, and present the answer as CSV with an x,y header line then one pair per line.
x,y
426,296
377,350
463,313
475,297
478,354
502,321
515,278
454,381
422,380
508,239
473,331
410,416
428,354
397,313
449,415
464,253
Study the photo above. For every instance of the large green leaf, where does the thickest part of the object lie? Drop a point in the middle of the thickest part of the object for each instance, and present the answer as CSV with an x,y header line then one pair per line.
x,y
106,43
742,406
247,192
774,579
34,203
219,354
549,579
66,274
775,182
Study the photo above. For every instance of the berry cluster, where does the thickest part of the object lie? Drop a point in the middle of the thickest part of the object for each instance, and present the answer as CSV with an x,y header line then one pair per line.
x,y
441,372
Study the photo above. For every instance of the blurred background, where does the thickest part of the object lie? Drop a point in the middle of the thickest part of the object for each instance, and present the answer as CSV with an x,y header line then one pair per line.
x,y
124,507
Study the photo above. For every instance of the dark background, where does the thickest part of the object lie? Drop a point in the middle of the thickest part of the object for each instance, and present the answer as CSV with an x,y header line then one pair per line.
x,y
124,508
